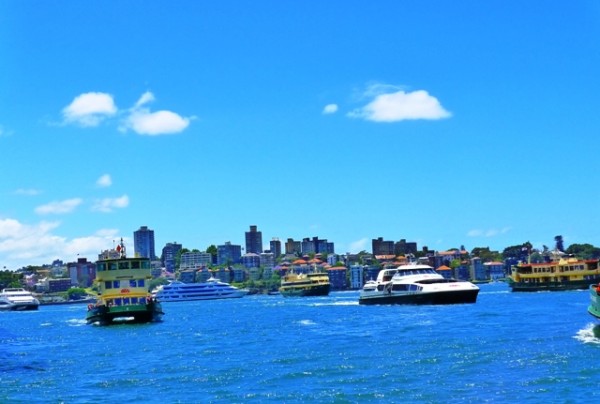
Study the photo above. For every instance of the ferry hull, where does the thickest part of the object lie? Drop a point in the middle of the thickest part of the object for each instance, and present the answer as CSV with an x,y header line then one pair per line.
x,y
104,315
549,286
313,290
594,307
449,297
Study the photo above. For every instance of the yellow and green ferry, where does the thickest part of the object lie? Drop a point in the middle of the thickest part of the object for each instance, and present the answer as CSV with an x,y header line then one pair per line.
x,y
123,294
311,284
563,274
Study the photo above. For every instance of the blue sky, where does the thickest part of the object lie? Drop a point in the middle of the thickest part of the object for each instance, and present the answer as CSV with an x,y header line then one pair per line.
x,y
446,123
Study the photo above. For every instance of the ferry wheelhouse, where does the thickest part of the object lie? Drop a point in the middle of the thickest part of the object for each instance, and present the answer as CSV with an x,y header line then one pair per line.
x,y
123,290
562,274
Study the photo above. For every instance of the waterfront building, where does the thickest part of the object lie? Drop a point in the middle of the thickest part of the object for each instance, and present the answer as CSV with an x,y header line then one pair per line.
x,y
495,270
381,247
478,270
356,276
224,274
143,242
371,272
59,285
337,278
239,274
267,273
229,254
275,247
250,260
254,241
333,259
254,273
445,271
195,260
82,273
169,256
187,275
267,260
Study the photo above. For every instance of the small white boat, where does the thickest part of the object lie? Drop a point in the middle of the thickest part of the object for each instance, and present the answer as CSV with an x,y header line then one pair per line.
x,y
177,291
416,284
17,299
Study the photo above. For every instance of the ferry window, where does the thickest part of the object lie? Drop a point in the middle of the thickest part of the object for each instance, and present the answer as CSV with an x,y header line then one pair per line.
x,y
107,284
101,267
140,283
116,284
118,302
132,283
135,265
125,301
112,266
145,264
123,265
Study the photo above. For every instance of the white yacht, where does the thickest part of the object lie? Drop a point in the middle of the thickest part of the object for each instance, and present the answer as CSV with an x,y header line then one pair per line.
x,y
416,284
177,291
17,299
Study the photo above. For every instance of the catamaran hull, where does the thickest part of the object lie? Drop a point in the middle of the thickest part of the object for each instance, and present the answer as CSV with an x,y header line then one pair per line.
x,y
19,307
449,297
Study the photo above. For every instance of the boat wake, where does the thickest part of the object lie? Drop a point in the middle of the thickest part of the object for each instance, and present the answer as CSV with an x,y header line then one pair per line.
x,y
76,322
307,322
590,334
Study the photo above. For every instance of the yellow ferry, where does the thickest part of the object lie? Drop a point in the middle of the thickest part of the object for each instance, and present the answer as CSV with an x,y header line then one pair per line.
x,y
563,274
123,290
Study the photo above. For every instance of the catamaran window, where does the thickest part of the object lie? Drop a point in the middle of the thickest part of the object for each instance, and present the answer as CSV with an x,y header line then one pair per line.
x,y
399,287
135,265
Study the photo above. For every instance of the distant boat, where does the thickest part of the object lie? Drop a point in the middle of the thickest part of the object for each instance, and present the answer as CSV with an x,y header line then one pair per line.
x,y
557,275
122,290
17,299
311,284
416,284
177,291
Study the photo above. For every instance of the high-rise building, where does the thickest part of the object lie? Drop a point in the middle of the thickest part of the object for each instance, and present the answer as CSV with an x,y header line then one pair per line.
x,y
381,247
229,254
254,241
169,255
293,247
275,246
143,243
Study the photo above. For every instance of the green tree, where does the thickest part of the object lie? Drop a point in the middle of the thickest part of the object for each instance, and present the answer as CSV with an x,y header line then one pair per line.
x,y
76,293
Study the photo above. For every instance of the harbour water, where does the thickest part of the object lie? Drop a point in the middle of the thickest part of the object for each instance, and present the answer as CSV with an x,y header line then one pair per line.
x,y
508,347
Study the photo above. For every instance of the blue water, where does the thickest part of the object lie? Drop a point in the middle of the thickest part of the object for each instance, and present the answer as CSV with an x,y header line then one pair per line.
x,y
508,347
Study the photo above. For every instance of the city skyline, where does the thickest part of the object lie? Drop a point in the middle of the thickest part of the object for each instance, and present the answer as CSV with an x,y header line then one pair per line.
x,y
444,124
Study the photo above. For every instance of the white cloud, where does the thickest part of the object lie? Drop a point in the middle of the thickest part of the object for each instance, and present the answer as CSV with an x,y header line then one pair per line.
x,y
59,207
144,122
488,232
330,109
22,245
359,245
89,109
109,204
392,105
104,181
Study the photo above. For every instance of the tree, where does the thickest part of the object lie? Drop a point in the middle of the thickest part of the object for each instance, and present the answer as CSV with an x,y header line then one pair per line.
x,y
559,243
76,293
585,251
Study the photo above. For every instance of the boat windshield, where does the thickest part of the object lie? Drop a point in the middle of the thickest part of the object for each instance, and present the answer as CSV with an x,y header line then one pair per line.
x,y
407,272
